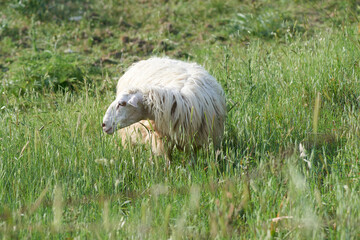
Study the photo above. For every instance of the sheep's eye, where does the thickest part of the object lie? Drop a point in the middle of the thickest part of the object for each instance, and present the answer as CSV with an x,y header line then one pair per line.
x,y
122,104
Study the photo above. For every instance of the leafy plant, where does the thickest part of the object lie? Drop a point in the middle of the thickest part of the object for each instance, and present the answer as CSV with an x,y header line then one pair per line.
x,y
45,70
32,7
267,24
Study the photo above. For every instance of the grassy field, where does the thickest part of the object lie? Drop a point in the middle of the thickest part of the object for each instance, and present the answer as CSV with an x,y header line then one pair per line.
x,y
289,164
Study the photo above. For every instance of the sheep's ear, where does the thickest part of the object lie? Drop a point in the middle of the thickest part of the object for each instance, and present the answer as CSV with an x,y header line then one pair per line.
x,y
135,99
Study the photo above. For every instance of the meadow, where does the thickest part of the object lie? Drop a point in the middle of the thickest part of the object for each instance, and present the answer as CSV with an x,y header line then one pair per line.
x,y
289,163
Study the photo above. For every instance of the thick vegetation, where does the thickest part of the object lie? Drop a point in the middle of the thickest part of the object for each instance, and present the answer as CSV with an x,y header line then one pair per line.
x,y
289,165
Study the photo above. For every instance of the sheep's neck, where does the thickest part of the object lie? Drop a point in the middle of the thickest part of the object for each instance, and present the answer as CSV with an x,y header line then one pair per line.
x,y
148,115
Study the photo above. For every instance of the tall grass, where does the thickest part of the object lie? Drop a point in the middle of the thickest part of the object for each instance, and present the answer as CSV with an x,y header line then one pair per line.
x,y
288,167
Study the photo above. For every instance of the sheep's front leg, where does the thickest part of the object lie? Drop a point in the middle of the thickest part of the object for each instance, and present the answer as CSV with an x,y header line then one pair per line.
x,y
160,146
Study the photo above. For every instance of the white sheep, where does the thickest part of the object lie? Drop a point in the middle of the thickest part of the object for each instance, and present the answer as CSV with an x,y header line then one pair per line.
x,y
168,103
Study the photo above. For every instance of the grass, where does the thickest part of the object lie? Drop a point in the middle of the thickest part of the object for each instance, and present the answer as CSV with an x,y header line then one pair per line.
x,y
289,164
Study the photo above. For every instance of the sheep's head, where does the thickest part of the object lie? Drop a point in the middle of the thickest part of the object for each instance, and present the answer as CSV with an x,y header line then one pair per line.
x,y
125,110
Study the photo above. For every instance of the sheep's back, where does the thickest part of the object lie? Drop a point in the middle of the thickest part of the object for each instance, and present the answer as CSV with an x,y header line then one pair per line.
x,y
161,72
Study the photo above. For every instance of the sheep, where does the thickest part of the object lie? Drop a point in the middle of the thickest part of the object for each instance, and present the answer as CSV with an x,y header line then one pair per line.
x,y
167,103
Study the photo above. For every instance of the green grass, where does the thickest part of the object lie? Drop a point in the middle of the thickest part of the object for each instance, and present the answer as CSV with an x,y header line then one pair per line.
x,y
290,70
